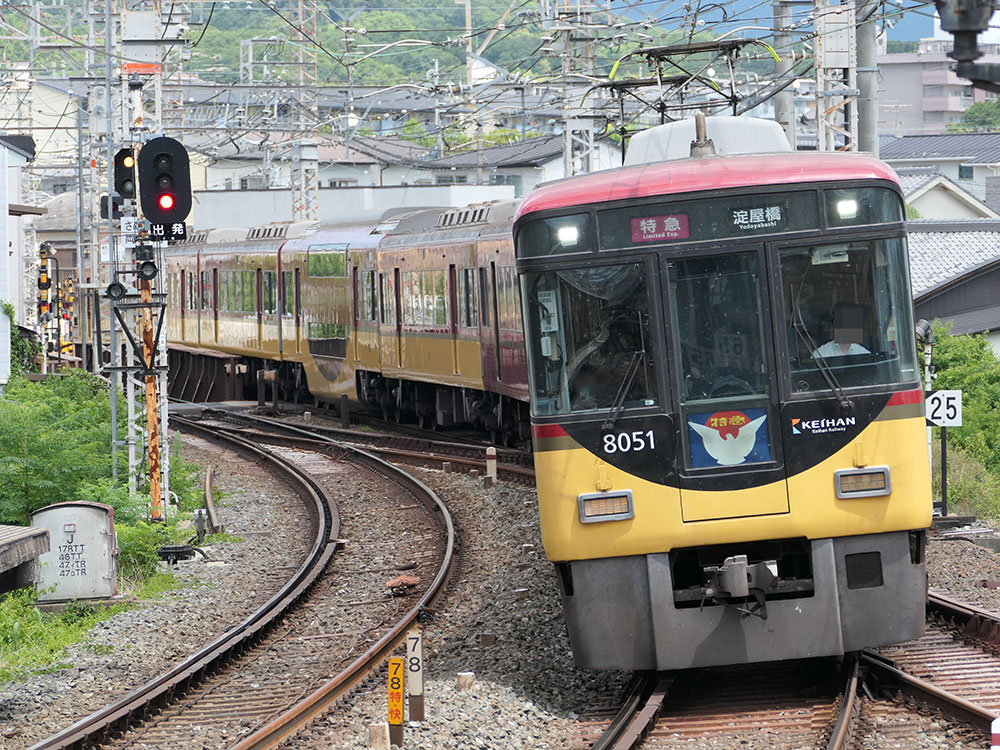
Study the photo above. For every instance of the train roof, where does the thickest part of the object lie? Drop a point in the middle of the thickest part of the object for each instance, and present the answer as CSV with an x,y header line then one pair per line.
x,y
707,173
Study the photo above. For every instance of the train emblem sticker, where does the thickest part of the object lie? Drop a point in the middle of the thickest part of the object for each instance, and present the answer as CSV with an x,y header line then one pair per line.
x,y
728,438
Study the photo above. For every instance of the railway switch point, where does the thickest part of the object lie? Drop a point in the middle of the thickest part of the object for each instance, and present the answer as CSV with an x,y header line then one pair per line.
x,y
466,680
378,736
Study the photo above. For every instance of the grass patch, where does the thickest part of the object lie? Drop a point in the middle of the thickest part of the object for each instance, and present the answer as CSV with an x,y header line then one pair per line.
x,y
972,488
221,538
32,641
157,585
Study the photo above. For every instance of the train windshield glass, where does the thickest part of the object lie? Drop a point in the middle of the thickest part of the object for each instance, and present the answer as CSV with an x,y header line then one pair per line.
x,y
847,306
585,327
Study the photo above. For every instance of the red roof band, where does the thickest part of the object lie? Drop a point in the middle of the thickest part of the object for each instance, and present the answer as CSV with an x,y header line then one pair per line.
x,y
711,173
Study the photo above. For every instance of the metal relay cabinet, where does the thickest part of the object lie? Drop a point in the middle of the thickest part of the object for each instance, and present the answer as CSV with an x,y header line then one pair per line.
x,y
82,559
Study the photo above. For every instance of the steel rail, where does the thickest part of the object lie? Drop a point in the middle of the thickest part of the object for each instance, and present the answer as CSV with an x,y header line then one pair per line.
x,y
966,614
886,673
314,705
637,715
843,729
123,711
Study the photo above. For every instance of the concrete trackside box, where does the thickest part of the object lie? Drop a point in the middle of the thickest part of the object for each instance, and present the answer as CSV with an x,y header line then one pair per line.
x,y
82,559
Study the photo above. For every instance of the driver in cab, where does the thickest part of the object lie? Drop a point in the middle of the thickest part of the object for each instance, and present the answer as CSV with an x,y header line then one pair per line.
x,y
842,330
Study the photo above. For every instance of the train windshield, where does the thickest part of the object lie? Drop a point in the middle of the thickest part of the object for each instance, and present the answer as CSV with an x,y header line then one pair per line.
x,y
585,328
848,309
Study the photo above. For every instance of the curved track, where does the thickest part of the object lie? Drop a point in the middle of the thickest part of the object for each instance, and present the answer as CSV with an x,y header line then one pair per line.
x,y
170,688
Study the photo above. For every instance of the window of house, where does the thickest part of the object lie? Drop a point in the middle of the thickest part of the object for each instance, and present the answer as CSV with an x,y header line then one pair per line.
x,y
966,171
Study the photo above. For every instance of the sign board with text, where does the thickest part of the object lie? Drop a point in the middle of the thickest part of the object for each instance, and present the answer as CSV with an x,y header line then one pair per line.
x,y
944,408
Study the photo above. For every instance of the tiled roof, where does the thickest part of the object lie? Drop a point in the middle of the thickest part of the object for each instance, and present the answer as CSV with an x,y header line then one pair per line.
x,y
913,178
944,250
972,147
528,153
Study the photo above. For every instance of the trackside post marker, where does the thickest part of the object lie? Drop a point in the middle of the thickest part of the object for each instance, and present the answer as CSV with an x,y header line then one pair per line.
x,y
396,671
995,733
415,673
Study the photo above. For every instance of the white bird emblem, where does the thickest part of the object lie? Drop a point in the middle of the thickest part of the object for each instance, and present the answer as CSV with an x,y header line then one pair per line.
x,y
732,444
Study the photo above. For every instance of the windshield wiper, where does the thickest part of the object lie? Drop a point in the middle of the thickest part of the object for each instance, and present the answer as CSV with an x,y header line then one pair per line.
x,y
623,389
824,367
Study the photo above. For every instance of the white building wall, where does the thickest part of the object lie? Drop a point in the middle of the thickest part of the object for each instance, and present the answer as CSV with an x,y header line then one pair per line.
x,y
250,208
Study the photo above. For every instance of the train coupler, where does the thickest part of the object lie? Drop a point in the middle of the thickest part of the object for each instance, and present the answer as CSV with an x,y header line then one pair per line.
x,y
738,584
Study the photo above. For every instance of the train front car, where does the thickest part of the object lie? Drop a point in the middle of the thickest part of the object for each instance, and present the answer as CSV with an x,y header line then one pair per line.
x,y
728,427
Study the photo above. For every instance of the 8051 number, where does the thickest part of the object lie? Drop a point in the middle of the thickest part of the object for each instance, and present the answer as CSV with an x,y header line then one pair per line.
x,y
628,442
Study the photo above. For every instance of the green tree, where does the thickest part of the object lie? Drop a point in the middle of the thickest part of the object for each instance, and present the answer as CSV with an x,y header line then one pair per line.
x,y
970,364
982,116
55,440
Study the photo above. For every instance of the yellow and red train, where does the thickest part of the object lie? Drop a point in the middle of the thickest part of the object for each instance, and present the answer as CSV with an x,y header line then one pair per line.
x,y
719,362
417,315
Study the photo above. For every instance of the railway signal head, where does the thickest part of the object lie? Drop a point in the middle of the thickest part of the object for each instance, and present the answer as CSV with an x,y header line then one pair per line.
x,y
125,173
164,181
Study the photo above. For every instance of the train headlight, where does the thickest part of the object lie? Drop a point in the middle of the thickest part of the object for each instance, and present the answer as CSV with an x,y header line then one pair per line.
x,y
847,208
872,481
568,235
606,506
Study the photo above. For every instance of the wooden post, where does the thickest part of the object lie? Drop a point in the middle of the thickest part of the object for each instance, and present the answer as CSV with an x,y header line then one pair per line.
x,y
345,413
152,403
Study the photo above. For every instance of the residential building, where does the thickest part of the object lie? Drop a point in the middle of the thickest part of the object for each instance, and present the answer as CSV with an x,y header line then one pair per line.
x,y
955,272
970,160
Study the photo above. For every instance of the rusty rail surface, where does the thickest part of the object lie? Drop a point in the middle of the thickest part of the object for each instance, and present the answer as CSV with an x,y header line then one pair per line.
x,y
637,715
400,447
844,729
317,703
885,673
126,710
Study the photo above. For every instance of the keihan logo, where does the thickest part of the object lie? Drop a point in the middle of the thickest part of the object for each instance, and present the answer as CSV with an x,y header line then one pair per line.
x,y
820,426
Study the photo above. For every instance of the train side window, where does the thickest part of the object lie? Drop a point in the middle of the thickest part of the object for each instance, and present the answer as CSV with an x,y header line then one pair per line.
x,y
367,309
441,306
387,298
486,297
468,302
270,290
206,290
327,261
287,293
847,307
587,328
192,290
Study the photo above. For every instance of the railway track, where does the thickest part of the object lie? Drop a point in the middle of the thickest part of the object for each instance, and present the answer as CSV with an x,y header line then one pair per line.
x,y
954,670
262,669
513,465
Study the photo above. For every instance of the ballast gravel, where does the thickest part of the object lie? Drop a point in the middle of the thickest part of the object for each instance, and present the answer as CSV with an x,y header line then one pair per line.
x,y
501,620
132,647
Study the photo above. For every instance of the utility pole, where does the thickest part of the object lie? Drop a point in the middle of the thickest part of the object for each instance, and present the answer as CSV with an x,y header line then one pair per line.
x,y
867,31
784,100
836,77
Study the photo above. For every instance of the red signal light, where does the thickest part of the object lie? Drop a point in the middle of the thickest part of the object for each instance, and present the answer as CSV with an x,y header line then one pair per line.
x,y
166,201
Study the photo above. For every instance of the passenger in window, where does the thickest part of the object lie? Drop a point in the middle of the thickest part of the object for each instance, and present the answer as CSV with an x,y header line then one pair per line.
x,y
842,329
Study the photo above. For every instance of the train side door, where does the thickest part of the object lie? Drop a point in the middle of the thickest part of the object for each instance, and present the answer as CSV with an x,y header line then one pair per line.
x,y
489,325
184,301
453,315
298,310
215,303
725,393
